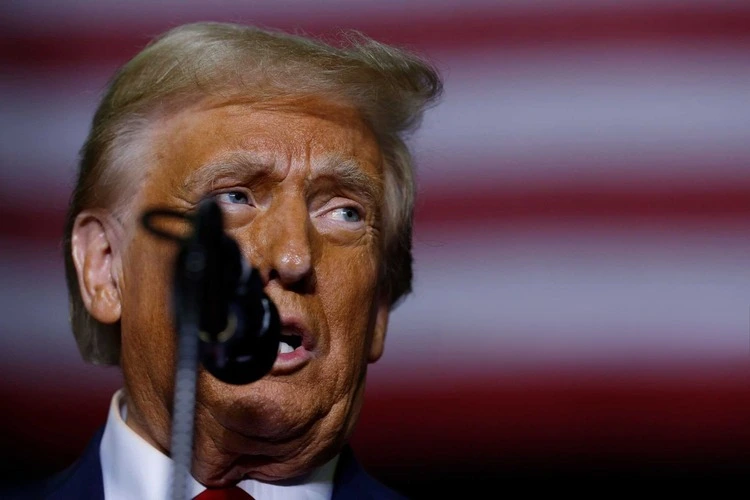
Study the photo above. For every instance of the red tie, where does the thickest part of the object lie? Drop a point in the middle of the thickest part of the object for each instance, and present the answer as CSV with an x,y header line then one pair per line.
x,y
233,493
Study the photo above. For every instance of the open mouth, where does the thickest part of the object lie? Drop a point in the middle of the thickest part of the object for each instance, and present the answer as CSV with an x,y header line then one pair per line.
x,y
296,347
289,341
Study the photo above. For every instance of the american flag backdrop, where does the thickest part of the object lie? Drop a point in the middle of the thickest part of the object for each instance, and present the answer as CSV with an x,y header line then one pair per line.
x,y
582,242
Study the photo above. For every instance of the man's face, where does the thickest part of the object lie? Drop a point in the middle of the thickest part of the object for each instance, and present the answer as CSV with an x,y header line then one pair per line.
x,y
301,192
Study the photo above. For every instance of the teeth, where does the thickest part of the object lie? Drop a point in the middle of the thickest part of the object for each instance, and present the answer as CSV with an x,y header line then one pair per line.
x,y
285,348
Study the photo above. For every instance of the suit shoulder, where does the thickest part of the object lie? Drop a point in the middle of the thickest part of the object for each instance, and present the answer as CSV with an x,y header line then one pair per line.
x,y
352,481
83,479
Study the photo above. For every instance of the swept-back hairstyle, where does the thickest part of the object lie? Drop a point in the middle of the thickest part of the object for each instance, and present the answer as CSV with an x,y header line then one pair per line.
x,y
390,87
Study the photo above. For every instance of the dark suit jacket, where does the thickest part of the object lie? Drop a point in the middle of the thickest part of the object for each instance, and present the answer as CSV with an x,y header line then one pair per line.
x,y
83,480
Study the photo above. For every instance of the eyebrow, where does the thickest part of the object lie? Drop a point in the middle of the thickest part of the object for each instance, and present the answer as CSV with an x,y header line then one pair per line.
x,y
241,165
347,173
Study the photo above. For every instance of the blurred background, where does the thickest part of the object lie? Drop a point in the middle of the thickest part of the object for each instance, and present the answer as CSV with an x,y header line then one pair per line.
x,y
581,313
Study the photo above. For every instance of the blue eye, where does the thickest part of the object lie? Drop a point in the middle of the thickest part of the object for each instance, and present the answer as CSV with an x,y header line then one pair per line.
x,y
234,198
346,214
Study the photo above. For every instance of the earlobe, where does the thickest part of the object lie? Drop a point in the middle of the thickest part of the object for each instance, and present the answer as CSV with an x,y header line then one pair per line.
x,y
93,255
381,326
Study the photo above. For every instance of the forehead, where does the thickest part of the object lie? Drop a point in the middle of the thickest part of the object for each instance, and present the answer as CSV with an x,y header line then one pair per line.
x,y
301,138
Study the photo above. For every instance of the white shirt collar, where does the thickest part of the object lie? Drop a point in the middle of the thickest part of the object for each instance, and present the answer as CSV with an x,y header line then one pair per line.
x,y
132,468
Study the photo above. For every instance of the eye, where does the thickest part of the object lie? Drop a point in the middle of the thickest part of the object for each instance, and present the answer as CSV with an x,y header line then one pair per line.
x,y
346,214
233,198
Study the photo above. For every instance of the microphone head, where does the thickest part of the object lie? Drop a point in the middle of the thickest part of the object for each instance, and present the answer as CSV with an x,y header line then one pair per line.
x,y
249,349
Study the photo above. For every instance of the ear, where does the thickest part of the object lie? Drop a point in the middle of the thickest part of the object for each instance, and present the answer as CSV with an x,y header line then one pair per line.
x,y
381,326
93,256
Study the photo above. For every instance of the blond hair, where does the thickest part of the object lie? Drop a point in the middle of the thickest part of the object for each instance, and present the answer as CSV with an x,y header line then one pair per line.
x,y
389,87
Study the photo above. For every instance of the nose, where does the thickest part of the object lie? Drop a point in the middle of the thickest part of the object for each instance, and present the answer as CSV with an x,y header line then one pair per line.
x,y
283,247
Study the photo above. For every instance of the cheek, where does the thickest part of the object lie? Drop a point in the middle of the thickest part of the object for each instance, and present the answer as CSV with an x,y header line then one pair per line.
x,y
147,329
348,289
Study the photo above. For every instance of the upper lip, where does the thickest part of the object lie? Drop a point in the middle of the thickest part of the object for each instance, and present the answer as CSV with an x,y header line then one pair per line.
x,y
297,326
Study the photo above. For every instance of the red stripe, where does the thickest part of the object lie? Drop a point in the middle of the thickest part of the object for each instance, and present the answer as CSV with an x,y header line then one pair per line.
x,y
492,206
689,413
30,47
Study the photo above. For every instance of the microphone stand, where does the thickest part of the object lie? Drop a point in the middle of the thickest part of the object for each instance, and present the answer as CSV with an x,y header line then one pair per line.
x,y
183,413
186,372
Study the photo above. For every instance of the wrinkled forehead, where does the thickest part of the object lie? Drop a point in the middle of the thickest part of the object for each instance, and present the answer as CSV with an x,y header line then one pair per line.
x,y
311,138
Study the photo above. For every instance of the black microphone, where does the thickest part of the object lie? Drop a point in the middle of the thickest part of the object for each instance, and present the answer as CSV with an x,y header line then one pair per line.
x,y
214,286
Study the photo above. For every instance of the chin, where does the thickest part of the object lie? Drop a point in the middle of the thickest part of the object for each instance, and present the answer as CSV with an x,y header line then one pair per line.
x,y
263,413
264,450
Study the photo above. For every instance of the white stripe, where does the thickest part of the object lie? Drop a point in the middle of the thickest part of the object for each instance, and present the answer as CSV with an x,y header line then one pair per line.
x,y
574,291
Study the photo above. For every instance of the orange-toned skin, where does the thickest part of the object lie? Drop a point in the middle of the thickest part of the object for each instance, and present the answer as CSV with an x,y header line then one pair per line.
x,y
320,264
